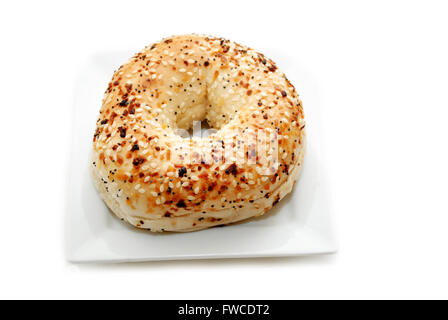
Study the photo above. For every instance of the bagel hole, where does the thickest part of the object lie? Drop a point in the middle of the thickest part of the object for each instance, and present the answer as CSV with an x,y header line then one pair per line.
x,y
204,117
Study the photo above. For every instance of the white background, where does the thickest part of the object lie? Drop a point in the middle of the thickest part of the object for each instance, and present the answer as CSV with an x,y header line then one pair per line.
x,y
381,70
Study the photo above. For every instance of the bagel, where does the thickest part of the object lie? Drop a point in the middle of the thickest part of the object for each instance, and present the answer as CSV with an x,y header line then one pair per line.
x,y
155,178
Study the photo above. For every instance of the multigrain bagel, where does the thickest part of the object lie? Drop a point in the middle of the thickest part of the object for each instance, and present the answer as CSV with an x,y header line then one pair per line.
x,y
155,179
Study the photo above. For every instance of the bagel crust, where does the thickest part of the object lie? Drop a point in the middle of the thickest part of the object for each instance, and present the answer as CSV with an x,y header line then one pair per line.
x,y
154,178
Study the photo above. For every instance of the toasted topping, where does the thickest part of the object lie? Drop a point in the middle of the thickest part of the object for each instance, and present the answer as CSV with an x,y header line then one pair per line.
x,y
182,172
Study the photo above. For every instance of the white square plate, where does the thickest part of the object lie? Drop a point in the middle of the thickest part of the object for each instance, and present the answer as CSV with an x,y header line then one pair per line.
x,y
299,225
